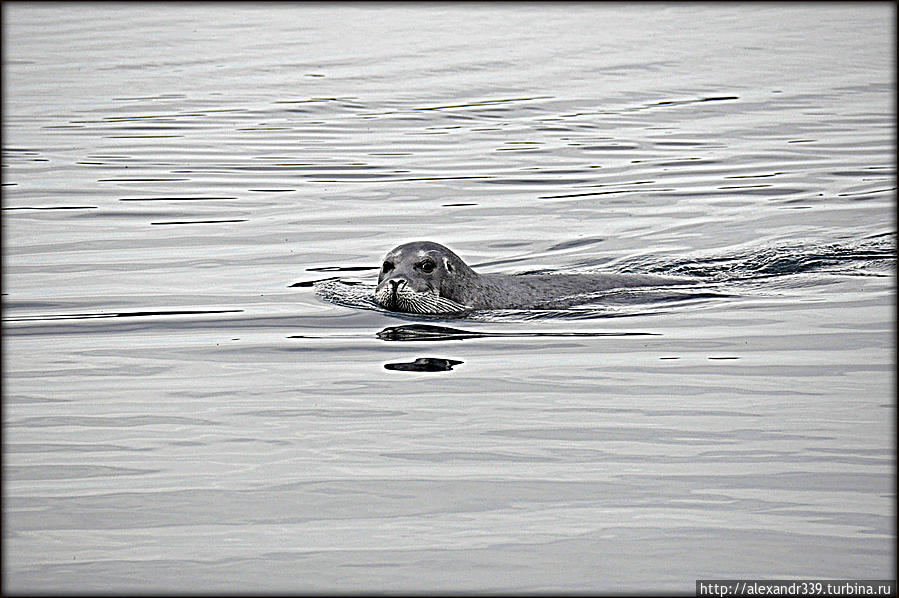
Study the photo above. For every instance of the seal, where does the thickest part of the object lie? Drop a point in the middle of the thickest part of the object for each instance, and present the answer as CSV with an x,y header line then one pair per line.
x,y
423,277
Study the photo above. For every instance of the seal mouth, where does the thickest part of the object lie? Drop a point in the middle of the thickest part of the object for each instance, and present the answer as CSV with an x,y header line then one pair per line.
x,y
396,295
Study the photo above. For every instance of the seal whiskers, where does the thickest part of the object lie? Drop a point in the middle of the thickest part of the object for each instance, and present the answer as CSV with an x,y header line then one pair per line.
x,y
398,296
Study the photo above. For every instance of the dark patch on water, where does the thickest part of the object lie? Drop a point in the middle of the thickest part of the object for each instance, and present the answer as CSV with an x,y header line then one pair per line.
x,y
666,103
424,364
341,268
309,283
175,198
143,180
199,221
571,244
52,208
484,103
124,314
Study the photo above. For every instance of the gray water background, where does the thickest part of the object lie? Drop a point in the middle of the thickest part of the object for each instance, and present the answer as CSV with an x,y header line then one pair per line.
x,y
178,417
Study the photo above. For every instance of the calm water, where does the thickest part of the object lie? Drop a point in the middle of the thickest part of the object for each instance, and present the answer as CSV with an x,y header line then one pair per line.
x,y
178,416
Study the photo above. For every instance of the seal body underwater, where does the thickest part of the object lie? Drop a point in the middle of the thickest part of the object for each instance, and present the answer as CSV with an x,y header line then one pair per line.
x,y
427,278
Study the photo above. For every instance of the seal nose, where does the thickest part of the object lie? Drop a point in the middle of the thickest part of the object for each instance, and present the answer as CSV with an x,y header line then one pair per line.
x,y
395,284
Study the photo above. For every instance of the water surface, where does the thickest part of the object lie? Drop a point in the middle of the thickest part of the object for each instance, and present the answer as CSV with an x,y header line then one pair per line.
x,y
188,407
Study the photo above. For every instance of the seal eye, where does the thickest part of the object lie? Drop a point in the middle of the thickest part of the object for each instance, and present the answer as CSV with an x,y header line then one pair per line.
x,y
388,266
427,266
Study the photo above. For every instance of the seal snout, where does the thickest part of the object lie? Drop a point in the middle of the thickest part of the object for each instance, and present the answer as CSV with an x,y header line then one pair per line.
x,y
390,292
395,286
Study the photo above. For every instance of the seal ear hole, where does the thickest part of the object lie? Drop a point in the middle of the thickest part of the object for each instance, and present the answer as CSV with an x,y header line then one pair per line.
x,y
448,265
388,266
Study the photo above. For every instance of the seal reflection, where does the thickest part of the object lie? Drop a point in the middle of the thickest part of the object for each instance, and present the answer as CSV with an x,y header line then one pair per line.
x,y
424,364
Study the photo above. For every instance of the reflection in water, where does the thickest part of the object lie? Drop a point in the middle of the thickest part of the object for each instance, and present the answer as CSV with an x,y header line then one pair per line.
x,y
312,283
424,364
341,268
200,221
427,332
124,314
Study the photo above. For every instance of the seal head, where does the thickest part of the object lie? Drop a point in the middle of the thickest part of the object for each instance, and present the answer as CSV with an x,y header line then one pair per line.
x,y
421,277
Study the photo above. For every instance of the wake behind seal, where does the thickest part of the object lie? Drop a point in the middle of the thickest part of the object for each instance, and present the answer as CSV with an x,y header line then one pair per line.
x,y
424,277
